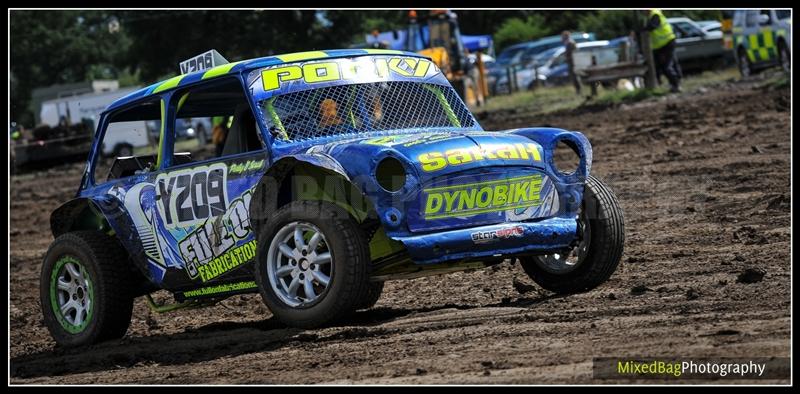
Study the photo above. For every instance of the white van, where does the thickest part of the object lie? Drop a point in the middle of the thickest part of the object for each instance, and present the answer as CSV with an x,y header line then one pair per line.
x,y
121,139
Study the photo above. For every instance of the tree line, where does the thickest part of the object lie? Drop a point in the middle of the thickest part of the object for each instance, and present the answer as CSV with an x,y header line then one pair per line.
x,y
141,47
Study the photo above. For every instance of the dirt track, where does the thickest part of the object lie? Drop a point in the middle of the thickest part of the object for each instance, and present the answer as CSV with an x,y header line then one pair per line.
x,y
703,178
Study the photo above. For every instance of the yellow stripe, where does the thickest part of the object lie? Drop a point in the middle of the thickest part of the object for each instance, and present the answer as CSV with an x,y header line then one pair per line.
x,y
383,51
764,53
219,70
753,38
293,57
169,84
181,101
768,41
160,156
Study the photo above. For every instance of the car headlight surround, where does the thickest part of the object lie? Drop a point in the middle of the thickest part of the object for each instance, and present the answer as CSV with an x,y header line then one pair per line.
x,y
566,157
390,174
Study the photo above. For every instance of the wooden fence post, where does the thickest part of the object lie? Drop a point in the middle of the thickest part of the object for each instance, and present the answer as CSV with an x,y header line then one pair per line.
x,y
644,42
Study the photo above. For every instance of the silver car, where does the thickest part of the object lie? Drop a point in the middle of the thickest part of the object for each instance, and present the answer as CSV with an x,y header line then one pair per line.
x,y
696,48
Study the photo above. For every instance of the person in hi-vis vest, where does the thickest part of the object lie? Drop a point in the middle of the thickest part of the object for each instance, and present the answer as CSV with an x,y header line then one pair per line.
x,y
662,42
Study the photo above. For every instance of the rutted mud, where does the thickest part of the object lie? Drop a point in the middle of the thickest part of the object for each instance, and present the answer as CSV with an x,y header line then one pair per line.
x,y
704,182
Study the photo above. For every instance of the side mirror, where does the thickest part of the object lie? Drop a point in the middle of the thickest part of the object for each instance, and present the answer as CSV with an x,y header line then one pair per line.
x,y
763,19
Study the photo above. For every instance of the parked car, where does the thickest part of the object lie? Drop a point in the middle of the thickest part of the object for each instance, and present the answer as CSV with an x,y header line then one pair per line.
x,y
185,129
762,38
695,48
550,67
710,26
521,56
526,77
487,60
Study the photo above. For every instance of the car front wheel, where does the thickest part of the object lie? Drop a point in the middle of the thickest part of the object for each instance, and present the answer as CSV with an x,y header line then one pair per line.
x,y
313,264
601,231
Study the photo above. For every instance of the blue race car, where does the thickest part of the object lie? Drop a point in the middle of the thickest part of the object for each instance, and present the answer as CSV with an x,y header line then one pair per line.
x,y
338,170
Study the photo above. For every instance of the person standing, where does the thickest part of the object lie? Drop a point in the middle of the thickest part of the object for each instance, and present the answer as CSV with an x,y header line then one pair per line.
x,y
662,43
569,50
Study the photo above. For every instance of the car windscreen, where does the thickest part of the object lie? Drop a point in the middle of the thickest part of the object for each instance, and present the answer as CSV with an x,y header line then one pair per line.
x,y
362,108
508,55
324,97
783,14
542,58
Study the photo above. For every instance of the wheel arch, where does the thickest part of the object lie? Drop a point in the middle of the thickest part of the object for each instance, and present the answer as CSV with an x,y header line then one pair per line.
x,y
84,214
79,214
307,177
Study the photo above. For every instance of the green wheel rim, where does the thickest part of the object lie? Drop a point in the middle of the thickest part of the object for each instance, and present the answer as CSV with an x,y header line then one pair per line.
x,y
71,294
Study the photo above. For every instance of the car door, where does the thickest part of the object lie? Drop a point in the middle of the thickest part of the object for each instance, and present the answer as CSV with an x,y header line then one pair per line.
x,y
200,197
690,43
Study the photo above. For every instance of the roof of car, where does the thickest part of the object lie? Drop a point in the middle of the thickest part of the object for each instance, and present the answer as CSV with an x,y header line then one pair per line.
x,y
679,19
247,65
543,41
557,51
588,44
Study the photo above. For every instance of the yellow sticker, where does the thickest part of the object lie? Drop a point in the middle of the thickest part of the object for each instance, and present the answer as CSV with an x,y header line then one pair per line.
x,y
273,77
326,71
482,197
435,161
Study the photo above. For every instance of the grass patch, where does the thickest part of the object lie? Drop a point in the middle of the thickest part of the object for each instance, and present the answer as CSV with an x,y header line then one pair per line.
x,y
780,82
626,96
538,100
549,99
693,82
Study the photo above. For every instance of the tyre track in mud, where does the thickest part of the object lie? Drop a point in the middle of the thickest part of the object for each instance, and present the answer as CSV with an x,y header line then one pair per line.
x,y
703,179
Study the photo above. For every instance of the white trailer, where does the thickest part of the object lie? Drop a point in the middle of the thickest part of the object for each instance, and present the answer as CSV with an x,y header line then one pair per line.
x,y
121,138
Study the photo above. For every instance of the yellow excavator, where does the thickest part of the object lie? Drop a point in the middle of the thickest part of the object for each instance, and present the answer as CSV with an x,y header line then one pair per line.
x,y
444,46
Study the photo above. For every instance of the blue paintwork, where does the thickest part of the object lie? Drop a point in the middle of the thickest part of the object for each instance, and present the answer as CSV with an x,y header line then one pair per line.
x,y
244,67
545,235
548,226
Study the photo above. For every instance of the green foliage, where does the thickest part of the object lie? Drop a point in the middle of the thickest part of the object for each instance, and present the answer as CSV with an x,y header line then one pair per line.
x,y
695,15
128,78
516,30
486,21
51,47
608,24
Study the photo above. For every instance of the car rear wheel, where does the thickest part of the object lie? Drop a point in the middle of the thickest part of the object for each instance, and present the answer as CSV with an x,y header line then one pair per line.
x,y
313,264
85,289
601,231
784,57
745,68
